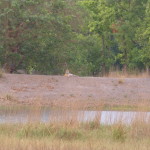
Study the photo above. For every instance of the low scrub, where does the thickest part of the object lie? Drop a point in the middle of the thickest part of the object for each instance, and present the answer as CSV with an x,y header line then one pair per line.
x,y
84,136
119,132
62,134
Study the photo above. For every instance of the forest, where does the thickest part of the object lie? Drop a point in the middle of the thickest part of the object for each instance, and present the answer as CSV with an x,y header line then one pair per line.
x,y
88,37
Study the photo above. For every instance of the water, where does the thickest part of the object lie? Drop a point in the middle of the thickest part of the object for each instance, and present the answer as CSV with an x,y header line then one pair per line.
x,y
49,115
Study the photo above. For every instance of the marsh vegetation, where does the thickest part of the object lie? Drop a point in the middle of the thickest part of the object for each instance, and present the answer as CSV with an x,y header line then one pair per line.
x,y
68,132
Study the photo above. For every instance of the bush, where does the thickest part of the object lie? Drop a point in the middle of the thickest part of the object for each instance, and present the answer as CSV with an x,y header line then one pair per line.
x,y
68,134
34,131
119,133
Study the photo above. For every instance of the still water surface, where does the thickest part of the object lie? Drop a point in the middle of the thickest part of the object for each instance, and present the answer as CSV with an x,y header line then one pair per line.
x,y
49,115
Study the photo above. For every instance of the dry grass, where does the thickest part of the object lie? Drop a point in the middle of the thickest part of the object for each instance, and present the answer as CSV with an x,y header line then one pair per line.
x,y
92,104
48,144
88,136
67,132
134,74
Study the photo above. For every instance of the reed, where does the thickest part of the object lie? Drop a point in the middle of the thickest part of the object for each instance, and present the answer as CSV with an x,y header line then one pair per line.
x,y
140,126
91,104
69,132
53,136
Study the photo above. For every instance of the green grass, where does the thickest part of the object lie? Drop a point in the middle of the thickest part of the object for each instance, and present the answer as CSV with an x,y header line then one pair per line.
x,y
85,136
72,134
105,107
120,107
75,132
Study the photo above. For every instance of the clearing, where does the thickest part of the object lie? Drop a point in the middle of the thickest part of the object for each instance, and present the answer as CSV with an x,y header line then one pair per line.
x,y
25,89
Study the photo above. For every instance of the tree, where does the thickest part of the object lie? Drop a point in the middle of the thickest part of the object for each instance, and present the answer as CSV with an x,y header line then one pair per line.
x,y
33,34
129,15
143,37
102,18
118,21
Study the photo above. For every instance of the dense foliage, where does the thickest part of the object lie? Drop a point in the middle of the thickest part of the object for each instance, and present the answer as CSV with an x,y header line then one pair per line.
x,y
90,37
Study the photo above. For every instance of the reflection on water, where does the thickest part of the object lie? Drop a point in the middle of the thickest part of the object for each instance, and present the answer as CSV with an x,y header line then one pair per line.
x,y
46,115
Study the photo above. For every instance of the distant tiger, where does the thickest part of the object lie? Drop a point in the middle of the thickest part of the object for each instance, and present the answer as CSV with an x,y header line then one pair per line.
x,y
68,74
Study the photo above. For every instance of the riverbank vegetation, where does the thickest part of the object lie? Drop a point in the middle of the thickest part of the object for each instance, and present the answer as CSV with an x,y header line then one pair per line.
x,y
93,105
88,37
72,134
67,131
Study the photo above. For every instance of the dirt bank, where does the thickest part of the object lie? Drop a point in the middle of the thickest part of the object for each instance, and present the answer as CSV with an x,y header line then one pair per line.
x,y
19,88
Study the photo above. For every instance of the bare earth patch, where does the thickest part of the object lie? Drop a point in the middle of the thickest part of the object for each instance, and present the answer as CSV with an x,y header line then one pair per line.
x,y
27,89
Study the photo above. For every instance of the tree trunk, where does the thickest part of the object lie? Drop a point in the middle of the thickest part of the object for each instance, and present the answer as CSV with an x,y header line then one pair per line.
x,y
124,69
148,70
125,62
103,55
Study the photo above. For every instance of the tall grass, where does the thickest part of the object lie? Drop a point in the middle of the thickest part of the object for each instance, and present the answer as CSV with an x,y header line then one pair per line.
x,y
68,132
91,104
84,136
115,73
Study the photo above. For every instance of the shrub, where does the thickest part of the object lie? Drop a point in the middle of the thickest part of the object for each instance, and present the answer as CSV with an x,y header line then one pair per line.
x,y
119,133
9,97
94,125
35,131
68,134
121,81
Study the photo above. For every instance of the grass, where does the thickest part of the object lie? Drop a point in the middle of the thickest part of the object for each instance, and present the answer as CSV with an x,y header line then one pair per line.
x,y
115,73
119,132
54,144
70,134
90,104
9,97
64,133
88,136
